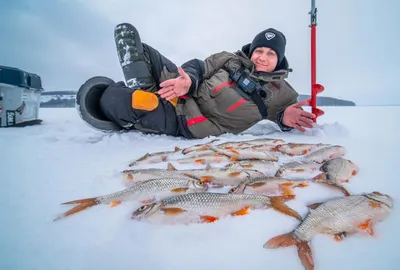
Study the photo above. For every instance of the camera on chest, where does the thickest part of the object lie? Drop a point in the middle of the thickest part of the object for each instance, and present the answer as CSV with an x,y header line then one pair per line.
x,y
246,84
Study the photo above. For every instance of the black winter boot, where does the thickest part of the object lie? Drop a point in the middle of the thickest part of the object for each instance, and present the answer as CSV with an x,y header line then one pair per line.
x,y
135,66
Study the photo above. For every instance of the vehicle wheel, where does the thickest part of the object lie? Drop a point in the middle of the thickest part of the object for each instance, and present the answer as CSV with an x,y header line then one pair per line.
x,y
88,104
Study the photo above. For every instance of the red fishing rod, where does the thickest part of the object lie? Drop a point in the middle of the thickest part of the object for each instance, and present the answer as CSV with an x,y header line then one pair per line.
x,y
315,87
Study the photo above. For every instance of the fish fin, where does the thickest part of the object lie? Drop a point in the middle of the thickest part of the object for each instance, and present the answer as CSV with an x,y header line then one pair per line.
x,y
171,167
179,190
241,212
191,176
83,204
115,203
258,184
345,181
80,201
234,151
288,192
140,159
172,211
129,177
278,205
367,226
276,148
332,155
247,166
299,170
287,184
147,201
338,237
283,240
303,185
320,177
208,167
177,149
305,255
354,172
207,178
208,219
305,151
164,157
373,204
234,158
331,184
314,205
234,174
200,160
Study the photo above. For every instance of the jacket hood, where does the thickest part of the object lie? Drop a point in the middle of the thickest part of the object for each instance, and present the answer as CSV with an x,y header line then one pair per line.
x,y
283,65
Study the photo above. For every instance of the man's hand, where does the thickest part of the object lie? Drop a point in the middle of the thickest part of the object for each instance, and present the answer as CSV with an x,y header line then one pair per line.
x,y
297,118
175,87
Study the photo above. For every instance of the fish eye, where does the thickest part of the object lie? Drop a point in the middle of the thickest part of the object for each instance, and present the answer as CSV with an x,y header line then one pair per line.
x,y
377,193
199,182
232,190
142,208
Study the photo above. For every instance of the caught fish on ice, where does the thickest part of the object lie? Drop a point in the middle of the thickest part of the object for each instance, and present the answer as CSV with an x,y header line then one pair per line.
x,y
339,170
208,207
245,154
264,166
215,158
268,185
218,177
325,154
234,145
266,141
156,157
297,149
296,169
144,192
131,177
197,147
338,217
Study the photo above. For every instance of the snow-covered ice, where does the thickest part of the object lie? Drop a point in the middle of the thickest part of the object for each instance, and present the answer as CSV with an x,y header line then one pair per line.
x,y
64,159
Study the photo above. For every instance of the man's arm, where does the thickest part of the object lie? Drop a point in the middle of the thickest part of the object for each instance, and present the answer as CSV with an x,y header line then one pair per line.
x,y
195,69
199,70
280,115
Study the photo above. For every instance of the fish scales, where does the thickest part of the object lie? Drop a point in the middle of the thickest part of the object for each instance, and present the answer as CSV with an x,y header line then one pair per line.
x,y
204,201
149,187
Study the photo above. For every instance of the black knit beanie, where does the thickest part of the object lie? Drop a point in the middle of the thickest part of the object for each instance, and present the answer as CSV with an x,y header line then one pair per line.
x,y
270,38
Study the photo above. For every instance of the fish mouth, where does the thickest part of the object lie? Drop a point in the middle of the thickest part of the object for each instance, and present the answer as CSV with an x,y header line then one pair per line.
x,y
142,211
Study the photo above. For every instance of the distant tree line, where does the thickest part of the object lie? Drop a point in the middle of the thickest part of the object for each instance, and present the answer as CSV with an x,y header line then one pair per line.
x,y
66,99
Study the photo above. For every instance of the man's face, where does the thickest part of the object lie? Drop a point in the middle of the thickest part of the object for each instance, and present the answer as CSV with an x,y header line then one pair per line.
x,y
265,59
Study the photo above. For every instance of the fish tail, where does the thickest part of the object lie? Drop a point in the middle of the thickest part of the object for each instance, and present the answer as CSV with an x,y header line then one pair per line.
x,y
82,205
283,240
305,255
277,202
287,240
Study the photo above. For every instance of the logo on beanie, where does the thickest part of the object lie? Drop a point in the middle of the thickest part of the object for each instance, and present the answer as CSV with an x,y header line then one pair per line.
x,y
269,35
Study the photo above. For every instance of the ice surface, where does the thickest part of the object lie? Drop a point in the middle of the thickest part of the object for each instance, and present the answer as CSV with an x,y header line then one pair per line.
x,y
64,159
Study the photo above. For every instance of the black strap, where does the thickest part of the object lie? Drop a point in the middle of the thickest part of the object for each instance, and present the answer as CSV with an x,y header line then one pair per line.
x,y
256,96
257,99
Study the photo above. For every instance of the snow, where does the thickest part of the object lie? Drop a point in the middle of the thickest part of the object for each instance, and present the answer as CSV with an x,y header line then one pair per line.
x,y
64,159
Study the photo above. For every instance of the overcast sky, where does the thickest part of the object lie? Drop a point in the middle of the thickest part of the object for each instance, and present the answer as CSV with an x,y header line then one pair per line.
x,y
68,41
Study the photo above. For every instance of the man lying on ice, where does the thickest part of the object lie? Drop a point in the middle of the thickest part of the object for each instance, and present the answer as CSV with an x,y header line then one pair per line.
x,y
225,93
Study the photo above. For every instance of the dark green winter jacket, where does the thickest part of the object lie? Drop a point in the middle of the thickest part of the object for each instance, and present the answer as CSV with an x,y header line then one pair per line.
x,y
213,106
